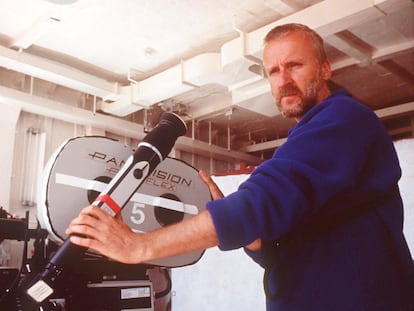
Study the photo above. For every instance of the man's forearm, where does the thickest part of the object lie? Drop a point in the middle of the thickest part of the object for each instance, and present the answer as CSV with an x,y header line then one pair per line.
x,y
194,234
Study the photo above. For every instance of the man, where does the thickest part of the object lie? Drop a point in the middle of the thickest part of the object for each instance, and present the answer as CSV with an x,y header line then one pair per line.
x,y
323,216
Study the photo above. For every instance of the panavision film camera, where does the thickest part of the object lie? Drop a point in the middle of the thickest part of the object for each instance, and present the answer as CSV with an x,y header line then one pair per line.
x,y
148,188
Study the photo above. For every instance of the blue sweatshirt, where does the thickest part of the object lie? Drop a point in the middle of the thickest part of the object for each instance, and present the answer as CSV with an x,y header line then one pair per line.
x,y
329,213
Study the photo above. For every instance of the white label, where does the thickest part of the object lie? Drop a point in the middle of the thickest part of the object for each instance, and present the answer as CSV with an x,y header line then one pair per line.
x,y
40,291
137,292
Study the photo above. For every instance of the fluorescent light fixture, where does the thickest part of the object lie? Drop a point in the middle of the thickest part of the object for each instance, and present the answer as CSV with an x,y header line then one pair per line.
x,y
34,154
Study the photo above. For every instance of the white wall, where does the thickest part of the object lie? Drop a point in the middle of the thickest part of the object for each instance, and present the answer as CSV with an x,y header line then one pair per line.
x,y
405,151
219,281
8,119
223,281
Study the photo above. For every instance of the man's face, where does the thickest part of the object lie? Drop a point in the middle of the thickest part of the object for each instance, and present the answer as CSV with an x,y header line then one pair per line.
x,y
297,80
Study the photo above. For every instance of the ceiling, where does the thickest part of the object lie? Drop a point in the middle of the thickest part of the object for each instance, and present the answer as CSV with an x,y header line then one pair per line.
x,y
133,59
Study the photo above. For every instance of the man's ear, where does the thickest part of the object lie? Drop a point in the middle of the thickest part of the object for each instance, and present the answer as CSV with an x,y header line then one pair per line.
x,y
326,70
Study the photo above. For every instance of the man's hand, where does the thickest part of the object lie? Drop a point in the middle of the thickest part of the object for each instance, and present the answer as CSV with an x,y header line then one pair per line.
x,y
212,186
255,245
217,194
110,236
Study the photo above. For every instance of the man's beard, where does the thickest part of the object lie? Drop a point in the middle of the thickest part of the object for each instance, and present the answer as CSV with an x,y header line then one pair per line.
x,y
307,100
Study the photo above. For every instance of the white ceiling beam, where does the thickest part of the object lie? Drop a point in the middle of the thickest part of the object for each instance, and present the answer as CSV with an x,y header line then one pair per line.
x,y
268,145
398,70
352,46
381,113
34,32
283,7
56,110
377,56
205,149
210,107
327,17
57,73
343,63
392,50
395,110
390,6
402,130
293,4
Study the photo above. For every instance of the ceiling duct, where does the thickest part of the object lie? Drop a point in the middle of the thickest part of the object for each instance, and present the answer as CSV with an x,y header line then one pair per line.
x,y
236,67
239,66
230,69
47,70
198,71
256,97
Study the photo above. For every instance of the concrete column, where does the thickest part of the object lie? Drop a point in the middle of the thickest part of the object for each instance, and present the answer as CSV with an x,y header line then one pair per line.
x,y
8,119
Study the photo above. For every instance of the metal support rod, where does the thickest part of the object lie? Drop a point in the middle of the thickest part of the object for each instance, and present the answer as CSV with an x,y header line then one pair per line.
x,y
228,138
209,132
94,105
31,85
211,164
193,129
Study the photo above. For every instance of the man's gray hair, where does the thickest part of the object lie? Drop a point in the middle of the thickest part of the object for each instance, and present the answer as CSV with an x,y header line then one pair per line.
x,y
286,29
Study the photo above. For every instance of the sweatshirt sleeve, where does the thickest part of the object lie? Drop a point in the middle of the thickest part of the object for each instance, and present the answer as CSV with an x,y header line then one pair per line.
x,y
325,155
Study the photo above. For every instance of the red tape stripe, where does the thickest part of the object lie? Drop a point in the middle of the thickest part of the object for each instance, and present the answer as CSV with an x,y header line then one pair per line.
x,y
108,201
